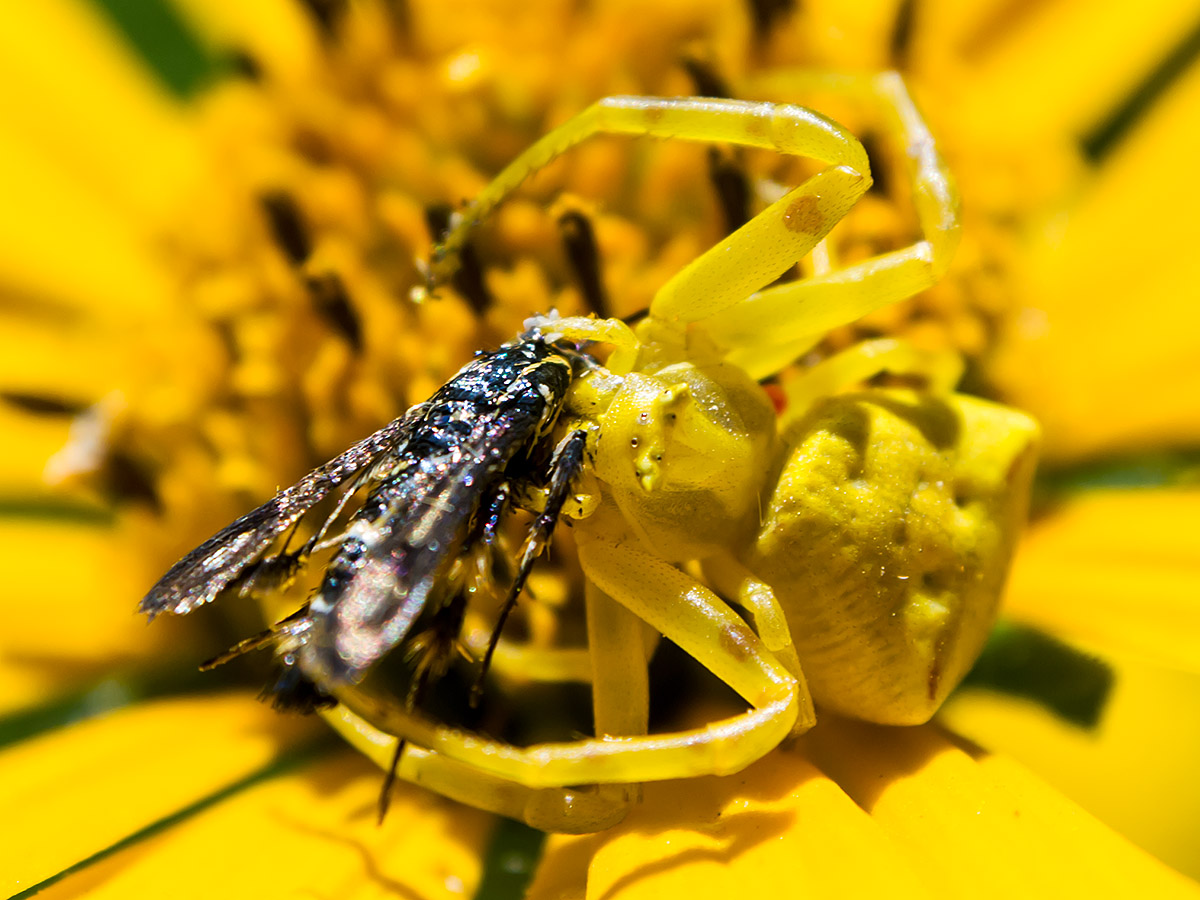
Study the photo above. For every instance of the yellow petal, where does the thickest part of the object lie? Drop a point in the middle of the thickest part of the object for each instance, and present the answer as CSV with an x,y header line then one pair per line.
x,y
1106,353
274,32
83,106
1118,571
59,241
309,833
1046,69
78,364
779,828
979,825
76,791
68,610
1133,771
30,440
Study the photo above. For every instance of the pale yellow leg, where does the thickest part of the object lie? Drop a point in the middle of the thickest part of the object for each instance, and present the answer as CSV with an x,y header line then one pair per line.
x,y
935,194
685,612
620,680
941,368
788,232
760,251
756,597
573,810
613,332
514,661
782,322
621,701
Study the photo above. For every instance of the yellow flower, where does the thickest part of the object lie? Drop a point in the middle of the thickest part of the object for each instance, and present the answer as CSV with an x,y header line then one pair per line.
x,y
202,298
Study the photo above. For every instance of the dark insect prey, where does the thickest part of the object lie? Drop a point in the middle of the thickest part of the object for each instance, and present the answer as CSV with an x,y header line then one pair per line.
x,y
439,479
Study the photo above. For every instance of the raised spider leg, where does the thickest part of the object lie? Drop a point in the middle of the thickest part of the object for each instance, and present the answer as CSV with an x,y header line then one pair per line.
x,y
780,323
811,210
941,368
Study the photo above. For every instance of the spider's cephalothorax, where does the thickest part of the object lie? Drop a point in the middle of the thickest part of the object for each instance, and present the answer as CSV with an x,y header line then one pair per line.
x,y
848,551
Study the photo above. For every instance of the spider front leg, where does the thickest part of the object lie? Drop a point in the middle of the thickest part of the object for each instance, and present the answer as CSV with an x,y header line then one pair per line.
x,y
777,237
780,323
685,612
621,704
567,810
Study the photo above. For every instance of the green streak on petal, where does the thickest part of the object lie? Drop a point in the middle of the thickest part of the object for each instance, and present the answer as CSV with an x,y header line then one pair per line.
x,y
164,42
281,765
1144,471
55,510
511,861
1023,662
1124,117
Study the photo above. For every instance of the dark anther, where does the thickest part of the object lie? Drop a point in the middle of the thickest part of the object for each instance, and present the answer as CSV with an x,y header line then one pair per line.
x,y
766,13
244,63
437,220
128,480
327,14
579,240
313,146
329,295
900,46
400,15
732,187
41,405
880,173
468,280
708,83
287,225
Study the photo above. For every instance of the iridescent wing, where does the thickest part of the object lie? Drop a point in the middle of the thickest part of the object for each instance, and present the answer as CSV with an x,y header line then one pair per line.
x,y
228,555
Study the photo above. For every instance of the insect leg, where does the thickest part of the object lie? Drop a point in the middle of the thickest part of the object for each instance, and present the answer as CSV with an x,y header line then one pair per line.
x,y
389,781
565,464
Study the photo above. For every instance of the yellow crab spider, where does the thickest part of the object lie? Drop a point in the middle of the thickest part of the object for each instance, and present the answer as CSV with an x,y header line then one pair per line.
x,y
863,536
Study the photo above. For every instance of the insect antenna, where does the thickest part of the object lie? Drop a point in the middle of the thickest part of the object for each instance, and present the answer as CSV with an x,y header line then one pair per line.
x,y
579,240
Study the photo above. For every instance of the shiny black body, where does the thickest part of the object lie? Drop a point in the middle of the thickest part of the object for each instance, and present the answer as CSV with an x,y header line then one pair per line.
x,y
436,479
393,565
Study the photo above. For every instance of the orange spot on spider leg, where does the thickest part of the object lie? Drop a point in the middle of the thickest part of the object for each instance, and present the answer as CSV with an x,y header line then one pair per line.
x,y
804,215
734,643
